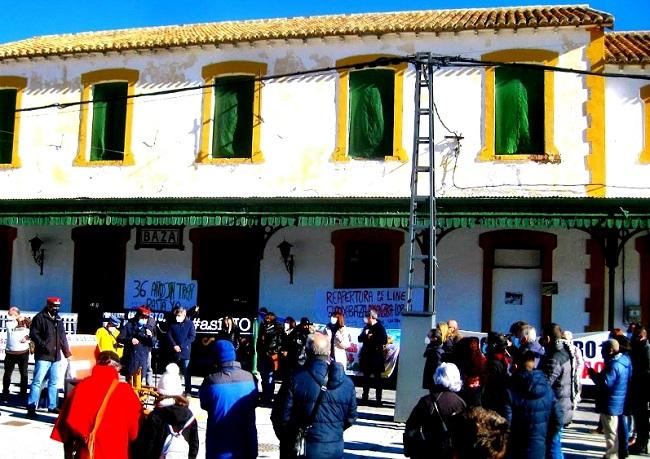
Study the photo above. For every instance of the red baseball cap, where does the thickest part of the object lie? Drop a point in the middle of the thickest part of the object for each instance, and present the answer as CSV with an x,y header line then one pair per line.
x,y
145,311
54,300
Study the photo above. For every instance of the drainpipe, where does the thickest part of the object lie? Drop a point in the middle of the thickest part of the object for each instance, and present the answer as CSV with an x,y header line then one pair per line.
x,y
611,261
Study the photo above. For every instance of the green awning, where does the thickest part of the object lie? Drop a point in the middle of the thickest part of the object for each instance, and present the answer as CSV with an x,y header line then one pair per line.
x,y
326,212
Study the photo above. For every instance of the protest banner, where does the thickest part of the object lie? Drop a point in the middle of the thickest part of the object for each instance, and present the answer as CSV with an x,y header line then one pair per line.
x,y
160,295
355,303
589,343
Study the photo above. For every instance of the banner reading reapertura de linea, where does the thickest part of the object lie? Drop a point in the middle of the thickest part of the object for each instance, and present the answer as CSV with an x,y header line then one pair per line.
x,y
355,304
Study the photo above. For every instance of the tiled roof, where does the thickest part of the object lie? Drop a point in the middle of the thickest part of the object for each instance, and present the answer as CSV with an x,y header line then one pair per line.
x,y
307,27
627,48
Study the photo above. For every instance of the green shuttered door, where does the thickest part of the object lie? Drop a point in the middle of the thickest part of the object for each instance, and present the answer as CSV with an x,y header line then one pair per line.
x,y
109,121
371,113
233,117
519,107
7,118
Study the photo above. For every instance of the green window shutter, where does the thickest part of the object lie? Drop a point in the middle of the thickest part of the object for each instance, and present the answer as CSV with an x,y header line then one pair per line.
x,y
7,119
109,121
372,95
232,135
519,110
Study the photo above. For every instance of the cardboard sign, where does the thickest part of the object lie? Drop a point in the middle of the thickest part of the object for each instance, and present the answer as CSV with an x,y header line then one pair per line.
x,y
159,294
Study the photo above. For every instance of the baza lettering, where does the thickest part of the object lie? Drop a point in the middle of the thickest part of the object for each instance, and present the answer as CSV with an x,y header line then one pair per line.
x,y
160,236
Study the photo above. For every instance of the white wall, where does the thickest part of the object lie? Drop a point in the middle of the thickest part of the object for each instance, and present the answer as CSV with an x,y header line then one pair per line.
x,y
298,123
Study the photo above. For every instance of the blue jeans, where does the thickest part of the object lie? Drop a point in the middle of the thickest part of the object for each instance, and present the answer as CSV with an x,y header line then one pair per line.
x,y
555,446
43,368
184,366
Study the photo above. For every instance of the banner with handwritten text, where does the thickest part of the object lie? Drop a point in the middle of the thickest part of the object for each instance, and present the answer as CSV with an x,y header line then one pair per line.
x,y
355,303
159,294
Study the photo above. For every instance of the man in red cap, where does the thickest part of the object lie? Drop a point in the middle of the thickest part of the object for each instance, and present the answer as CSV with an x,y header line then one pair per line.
x,y
48,335
137,336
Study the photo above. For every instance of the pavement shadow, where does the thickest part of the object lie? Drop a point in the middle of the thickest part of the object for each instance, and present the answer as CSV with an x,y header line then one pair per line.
x,y
371,448
372,416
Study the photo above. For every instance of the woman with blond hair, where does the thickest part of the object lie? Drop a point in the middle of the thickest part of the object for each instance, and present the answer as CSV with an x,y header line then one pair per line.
x,y
339,338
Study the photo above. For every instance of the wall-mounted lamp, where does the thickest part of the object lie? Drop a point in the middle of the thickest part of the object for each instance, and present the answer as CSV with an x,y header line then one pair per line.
x,y
37,252
287,258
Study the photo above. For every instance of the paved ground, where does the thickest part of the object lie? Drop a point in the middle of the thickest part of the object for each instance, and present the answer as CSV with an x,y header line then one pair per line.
x,y
375,434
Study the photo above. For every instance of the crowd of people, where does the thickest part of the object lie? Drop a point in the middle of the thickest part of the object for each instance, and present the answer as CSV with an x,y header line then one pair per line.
x,y
531,386
504,395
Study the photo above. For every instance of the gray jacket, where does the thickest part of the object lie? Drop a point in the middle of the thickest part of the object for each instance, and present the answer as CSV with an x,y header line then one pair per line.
x,y
557,366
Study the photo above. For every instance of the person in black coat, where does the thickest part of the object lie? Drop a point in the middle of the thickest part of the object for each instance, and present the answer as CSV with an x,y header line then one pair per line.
x,y
532,411
48,335
137,337
230,331
298,395
179,337
639,384
270,343
433,357
373,338
442,405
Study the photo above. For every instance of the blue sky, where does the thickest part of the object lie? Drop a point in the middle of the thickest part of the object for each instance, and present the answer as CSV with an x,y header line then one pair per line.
x,y
45,17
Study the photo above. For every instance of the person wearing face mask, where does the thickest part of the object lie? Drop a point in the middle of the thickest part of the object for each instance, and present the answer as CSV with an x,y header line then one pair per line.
x,y
373,338
50,341
137,337
339,338
16,352
106,337
180,337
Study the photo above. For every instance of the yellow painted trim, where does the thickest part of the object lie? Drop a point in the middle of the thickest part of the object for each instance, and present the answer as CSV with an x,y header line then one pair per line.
x,y
87,81
542,56
19,84
645,98
210,73
595,111
342,111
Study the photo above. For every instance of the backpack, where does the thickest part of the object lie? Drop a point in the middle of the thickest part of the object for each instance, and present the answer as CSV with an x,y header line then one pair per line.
x,y
175,446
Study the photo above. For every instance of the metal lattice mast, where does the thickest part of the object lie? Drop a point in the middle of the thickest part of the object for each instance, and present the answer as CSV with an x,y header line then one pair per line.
x,y
422,210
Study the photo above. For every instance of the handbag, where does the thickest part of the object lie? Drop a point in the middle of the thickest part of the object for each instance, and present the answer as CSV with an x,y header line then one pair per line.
x,y
300,443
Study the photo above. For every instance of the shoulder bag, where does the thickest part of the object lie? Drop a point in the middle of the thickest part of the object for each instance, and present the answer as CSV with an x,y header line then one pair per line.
x,y
89,442
300,445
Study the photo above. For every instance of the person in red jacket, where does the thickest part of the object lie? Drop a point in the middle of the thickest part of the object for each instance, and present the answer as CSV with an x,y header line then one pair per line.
x,y
115,428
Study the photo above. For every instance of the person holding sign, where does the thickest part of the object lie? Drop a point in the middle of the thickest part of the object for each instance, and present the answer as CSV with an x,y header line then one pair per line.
x,y
373,338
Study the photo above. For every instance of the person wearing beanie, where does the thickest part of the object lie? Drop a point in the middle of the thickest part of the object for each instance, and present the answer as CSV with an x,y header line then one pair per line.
x,y
171,412
229,395
443,403
106,337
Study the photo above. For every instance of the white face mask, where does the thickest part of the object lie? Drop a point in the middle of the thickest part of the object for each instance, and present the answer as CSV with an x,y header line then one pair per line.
x,y
365,320
333,320
111,329
286,327
179,319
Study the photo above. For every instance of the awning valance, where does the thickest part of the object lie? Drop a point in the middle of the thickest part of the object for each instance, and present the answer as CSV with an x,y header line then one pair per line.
x,y
329,212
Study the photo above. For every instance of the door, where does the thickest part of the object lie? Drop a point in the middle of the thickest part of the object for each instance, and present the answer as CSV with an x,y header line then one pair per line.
x,y
99,266
516,292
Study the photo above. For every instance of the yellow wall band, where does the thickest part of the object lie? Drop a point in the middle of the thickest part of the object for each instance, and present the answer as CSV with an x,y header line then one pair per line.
x,y
595,110
19,84
342,112
87,81
520,55
210,73
645,98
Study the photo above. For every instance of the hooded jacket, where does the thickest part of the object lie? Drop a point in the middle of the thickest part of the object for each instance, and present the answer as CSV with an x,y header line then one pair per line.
x,y
117,428
154,431
48,335
229,395
337,411
533,413
558,368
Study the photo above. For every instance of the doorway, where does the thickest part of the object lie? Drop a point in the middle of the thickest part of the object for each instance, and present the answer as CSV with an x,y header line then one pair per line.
x,y
98,277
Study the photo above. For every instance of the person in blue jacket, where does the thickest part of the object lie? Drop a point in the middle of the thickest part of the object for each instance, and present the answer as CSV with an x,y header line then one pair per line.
x,y
180,336
229,395
611,386
295,402
531,409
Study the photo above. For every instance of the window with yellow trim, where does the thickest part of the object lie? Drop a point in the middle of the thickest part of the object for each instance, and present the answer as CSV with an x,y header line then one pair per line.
x,y
231,113
519,107
369,120
645,98
11,89
105,129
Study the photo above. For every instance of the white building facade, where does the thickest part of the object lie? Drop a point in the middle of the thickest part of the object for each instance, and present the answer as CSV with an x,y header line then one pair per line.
x,y
236,137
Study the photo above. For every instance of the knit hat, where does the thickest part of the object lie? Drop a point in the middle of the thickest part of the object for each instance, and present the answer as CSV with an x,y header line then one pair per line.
x,y
224,351
114,320
170,382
